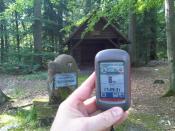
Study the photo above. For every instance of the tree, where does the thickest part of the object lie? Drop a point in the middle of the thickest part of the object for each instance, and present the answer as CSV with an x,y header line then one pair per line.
x,y
61,7
88,6
2,42
153,33
55,13
37,28
170,33
21,27
17,33
50,32
148,34
132,34
2,8
98,2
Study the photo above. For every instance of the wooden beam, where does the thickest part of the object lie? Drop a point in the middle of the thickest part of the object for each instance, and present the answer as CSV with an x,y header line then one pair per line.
x,y
112,42
75,45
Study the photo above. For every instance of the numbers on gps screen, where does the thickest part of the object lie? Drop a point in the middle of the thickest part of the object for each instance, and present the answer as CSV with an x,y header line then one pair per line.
x,y
103,94
110,79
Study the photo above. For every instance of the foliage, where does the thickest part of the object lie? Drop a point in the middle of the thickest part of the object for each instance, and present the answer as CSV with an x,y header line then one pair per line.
x,y
61,17
143,5
36,76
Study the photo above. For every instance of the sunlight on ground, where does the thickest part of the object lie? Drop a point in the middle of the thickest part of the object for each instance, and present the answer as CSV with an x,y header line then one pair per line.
x,y
140,119
8,122
140,122
25,119
20,120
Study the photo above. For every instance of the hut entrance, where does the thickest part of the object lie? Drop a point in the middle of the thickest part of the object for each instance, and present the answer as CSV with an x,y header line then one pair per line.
x,y
90,48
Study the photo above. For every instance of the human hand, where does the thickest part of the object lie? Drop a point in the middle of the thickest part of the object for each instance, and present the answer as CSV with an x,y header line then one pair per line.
x,y
79,112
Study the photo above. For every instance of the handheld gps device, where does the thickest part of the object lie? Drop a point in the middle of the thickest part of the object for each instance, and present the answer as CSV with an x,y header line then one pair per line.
x,y
112,67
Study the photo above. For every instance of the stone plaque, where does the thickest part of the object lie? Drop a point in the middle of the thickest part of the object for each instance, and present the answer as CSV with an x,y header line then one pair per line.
x,y
62,78
65,80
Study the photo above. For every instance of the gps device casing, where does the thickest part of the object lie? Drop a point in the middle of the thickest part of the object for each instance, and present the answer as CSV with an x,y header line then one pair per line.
x,y
113,56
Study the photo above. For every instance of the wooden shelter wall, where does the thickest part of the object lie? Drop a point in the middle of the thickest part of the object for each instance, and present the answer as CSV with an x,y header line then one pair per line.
x,y
85,53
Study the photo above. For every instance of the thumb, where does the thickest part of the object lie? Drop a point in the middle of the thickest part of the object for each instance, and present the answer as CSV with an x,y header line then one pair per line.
x,y
106,119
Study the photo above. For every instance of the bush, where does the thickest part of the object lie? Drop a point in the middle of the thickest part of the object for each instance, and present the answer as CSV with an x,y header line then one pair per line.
x,y
25,63
18,68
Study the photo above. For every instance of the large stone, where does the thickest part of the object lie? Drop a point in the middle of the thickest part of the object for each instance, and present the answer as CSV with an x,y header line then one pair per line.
x,y
62,65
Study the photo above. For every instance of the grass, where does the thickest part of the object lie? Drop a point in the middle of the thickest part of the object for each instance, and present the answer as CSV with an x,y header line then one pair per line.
x,y
81,79
35,76
44,76
141,122
26,119
20,120
17,93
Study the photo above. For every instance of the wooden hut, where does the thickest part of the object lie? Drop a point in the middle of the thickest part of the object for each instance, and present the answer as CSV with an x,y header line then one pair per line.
x,y
84,49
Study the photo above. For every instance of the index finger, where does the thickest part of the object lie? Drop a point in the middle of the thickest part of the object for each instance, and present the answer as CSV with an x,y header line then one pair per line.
x,y
85,90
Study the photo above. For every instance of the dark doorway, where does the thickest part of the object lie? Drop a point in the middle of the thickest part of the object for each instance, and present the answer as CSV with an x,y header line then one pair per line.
x,y
90,49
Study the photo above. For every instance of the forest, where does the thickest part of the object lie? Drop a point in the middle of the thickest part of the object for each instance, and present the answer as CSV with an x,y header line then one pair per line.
x,y
34,32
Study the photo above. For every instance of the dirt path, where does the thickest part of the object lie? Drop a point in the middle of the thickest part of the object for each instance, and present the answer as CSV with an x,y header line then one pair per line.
x,y
146,96
23,89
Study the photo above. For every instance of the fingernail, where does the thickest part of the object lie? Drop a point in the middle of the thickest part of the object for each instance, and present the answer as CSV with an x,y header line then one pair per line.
x,y
117,111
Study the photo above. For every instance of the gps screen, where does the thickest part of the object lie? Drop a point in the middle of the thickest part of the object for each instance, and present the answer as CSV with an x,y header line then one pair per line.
x,y
112,79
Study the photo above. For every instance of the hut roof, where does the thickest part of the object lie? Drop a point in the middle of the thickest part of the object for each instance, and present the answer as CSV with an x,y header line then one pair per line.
x,y
98,34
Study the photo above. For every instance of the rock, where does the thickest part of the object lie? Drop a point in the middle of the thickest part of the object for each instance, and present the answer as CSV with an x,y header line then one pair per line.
x,y
61,72
3,98
159,82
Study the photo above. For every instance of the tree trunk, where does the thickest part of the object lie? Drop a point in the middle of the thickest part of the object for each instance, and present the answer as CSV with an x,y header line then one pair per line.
x,y
2,43
60,26
2,8
6,42
88,6
17,35
146,37
37,29
170,32
153,49
153,34
132,35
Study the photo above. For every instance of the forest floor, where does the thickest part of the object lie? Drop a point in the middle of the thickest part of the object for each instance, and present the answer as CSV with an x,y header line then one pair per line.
x,y
149,112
